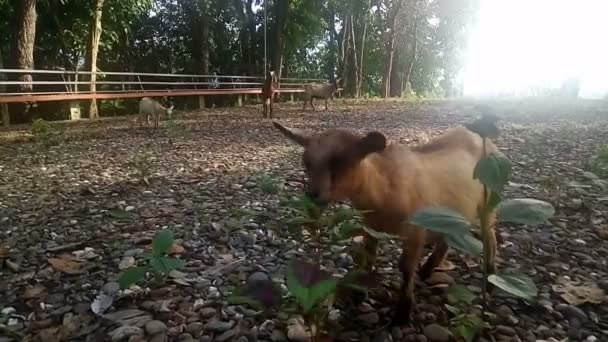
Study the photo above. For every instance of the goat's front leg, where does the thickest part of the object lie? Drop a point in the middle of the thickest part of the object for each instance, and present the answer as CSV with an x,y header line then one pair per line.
x,y
312,105
410,256
366,258
326,104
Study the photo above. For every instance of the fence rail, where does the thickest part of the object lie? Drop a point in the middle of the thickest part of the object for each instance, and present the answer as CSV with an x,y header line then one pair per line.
x,y
70,85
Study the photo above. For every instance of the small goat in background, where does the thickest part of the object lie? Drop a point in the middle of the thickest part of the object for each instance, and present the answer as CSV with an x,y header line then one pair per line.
x,y
320,91
149,106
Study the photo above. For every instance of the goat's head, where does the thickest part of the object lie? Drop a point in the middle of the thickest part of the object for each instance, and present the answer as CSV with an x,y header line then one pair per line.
x,y
169,111
331,160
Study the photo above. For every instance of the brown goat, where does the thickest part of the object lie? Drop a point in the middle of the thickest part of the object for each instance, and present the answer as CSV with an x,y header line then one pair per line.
x,y
392,182
268,93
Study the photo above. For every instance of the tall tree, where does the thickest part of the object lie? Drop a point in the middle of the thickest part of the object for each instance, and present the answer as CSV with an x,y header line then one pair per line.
x,y
24,42
280,12
95,37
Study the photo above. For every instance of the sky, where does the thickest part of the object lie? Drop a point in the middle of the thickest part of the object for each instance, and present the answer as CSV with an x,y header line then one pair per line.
x,y
520,44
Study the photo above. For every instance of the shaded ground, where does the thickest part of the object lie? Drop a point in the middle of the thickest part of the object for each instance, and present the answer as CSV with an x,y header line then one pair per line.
x,y
56,203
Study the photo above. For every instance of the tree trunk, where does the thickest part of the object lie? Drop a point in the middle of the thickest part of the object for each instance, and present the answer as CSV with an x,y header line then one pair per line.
x,y
345,51
355,64
363,36
4,113
331,22
391,22
24,44
408,75
281,9
95,36
205,22
252,33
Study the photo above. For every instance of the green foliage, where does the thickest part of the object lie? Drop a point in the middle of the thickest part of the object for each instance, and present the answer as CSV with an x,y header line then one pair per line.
x,y
599,163
309,284
267,184
494,171
119,214
158,262
440,220
466,323
525,210
45,134
517,284
143,165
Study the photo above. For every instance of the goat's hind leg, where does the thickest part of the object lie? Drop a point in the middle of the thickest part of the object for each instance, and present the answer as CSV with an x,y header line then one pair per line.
x,y
438,255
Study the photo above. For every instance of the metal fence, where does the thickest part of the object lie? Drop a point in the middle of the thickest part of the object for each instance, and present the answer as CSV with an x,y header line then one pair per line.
x,y
62,85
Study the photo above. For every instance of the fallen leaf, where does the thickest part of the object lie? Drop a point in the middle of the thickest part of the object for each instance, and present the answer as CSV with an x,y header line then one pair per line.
x,y
602,232
577,294
65,265
4,252
34,291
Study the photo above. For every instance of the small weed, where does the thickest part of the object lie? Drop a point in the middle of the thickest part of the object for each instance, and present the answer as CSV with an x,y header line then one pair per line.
x,y
157,263
172,129
267,184
44,134
312,288
599,163
143,164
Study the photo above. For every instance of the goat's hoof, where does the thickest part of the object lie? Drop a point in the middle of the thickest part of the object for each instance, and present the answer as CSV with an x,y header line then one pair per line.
x,y
403,312
401,317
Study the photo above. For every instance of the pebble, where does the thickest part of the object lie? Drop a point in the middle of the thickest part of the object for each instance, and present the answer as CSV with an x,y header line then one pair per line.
x,y
436,333
111,288
369,319
227,335
155,327
504,330
160,337
258,276
215,325
397,334
205,338
208,312
278,336
123,332
195,328
126,262
440,278
571,311
382,336
348,336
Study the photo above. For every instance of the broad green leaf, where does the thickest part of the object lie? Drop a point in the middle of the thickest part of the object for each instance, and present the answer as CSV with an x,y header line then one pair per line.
x,y
132,276
525,210
440,220
470,325
162,242
494,171
460,294
119,214
164,265
466,243
347,230
454,310
309,284
517,284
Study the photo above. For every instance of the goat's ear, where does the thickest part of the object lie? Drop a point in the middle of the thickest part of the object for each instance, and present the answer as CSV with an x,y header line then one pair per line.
x,y
372,142
299,136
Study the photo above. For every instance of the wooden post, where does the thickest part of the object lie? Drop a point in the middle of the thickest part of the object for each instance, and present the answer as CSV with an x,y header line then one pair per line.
x,y
75,110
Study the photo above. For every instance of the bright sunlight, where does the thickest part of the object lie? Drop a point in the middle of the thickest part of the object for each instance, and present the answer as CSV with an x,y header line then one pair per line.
x,y
520,46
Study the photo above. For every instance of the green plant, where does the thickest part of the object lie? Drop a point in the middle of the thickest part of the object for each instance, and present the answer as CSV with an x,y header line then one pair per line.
x,y
494,172
599,163
45,134
267,184
466,323
172,128
308,284
142,164
157,262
